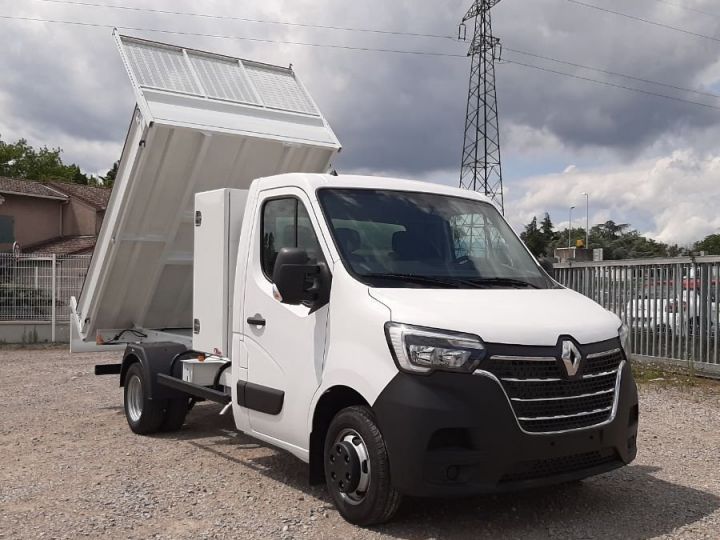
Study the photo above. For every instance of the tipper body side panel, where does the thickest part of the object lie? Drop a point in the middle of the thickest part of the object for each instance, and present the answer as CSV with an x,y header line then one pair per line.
x,y
203,122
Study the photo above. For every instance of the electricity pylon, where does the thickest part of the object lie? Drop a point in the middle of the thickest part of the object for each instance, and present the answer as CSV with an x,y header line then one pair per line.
x,y
481,169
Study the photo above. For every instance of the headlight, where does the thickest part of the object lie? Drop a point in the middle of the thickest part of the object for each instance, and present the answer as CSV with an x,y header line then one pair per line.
x,y
623,334
423,350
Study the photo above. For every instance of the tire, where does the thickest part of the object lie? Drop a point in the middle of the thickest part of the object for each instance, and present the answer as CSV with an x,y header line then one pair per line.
x,y
144,416
357,468
175,413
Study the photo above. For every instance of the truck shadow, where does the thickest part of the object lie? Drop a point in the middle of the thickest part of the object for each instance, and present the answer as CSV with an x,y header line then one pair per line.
x,y
631,503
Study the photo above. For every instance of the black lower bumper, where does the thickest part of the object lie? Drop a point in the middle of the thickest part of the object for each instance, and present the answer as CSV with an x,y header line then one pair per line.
x,y
456,435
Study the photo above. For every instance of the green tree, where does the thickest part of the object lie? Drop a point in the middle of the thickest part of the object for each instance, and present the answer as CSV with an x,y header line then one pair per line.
x,y
675,251
542,240
710,245
549,235
533,238
109,179
20,160
609,230
617,240
560,239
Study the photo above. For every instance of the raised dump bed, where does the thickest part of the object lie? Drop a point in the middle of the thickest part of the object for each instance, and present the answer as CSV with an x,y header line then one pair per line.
x,y
203,121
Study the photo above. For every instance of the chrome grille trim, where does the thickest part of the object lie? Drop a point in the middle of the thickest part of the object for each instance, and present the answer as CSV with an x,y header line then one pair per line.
x,y
511,379
580,396
559,416
584,377
602,354
524,358
603,374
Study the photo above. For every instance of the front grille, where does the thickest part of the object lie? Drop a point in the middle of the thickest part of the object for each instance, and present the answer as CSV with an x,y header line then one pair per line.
x,y
603,362
593,402
544,468
546,400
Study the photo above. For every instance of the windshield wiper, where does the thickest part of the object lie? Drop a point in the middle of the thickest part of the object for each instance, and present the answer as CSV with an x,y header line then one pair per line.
x,y
510,282
455,282
412,278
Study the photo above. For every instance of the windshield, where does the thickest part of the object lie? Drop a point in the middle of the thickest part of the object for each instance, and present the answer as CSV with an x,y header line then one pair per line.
x,y
408,239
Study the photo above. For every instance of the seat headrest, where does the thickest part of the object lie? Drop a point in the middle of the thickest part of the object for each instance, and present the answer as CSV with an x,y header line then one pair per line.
x,y
288,236
413,245
349,239
305,236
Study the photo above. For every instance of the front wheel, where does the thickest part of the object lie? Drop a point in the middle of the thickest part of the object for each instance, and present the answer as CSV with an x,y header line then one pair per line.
x,y
357,468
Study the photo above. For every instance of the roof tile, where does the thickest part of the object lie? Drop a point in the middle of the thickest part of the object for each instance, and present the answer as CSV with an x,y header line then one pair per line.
x,y
29,188
68,245
94,196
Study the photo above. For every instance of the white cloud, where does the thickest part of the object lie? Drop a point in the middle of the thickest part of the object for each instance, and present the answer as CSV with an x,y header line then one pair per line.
x,y
402,114
672,198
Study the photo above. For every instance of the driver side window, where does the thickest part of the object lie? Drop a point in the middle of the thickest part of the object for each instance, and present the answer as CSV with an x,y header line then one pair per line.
x,y
286,224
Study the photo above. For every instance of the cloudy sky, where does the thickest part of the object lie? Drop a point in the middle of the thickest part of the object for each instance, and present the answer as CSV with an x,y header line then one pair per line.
x,y
644,159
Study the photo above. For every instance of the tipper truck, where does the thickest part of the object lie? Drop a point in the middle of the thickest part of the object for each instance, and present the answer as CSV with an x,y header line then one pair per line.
x,y
397,336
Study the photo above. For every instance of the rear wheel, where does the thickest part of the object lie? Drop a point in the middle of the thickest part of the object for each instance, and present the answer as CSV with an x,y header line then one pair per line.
x,y
175,413
144,416
357,468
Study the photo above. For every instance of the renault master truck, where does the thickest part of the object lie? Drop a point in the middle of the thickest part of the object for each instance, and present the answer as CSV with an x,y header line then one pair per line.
x,y
396,336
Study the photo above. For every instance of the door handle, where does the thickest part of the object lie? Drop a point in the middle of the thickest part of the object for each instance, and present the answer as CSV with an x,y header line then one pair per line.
x,y
257,320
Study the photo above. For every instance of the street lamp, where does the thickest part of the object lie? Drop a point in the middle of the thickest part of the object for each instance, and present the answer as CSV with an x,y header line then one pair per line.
x,y
587,220
570,227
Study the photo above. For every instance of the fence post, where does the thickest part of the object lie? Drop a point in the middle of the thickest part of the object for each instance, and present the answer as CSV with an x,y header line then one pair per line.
x,y
54,294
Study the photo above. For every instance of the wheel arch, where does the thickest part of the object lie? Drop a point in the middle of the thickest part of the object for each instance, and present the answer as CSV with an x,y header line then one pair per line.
x,y
332,401
153,358
128,360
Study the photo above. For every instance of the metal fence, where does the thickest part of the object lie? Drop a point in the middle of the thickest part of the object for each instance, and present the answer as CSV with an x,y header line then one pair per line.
x,y
669,305
39,287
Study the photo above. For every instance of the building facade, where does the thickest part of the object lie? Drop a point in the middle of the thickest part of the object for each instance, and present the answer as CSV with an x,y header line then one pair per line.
x,y
50,217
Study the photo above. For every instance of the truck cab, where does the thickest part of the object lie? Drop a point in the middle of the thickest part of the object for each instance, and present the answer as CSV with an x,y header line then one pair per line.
x,y
395,335
417,305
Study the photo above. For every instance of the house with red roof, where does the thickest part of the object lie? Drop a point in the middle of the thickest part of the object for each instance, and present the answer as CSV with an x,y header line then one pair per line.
x,y
50,217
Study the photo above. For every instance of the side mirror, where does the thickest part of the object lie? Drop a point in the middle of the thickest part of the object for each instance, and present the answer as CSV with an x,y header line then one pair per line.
x,y
299,280
548,265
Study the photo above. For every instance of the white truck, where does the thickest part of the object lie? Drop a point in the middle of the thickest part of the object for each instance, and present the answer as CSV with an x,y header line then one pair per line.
x,y
397,336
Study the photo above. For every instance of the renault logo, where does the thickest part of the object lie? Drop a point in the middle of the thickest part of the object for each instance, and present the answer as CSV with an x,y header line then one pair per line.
x,y
571,357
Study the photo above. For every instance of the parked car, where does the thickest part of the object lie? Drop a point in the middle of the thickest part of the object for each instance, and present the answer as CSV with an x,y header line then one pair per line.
x,y
658,312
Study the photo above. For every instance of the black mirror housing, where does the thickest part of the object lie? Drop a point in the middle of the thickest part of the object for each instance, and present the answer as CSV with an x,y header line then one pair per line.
x,y
301,281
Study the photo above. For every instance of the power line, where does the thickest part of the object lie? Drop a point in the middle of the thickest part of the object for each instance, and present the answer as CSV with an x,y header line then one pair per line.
x,y
364,49
241,38
385,32
246,19
646,21
379,31
613,85
687,8
615,73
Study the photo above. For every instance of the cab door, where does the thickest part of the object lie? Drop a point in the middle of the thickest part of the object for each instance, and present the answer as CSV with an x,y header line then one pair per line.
x,y
285,344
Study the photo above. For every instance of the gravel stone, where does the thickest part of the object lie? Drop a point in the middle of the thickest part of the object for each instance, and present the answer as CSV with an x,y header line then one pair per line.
x,y
72,468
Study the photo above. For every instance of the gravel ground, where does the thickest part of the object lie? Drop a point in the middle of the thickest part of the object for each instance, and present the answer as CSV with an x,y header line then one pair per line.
x,y
71,468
